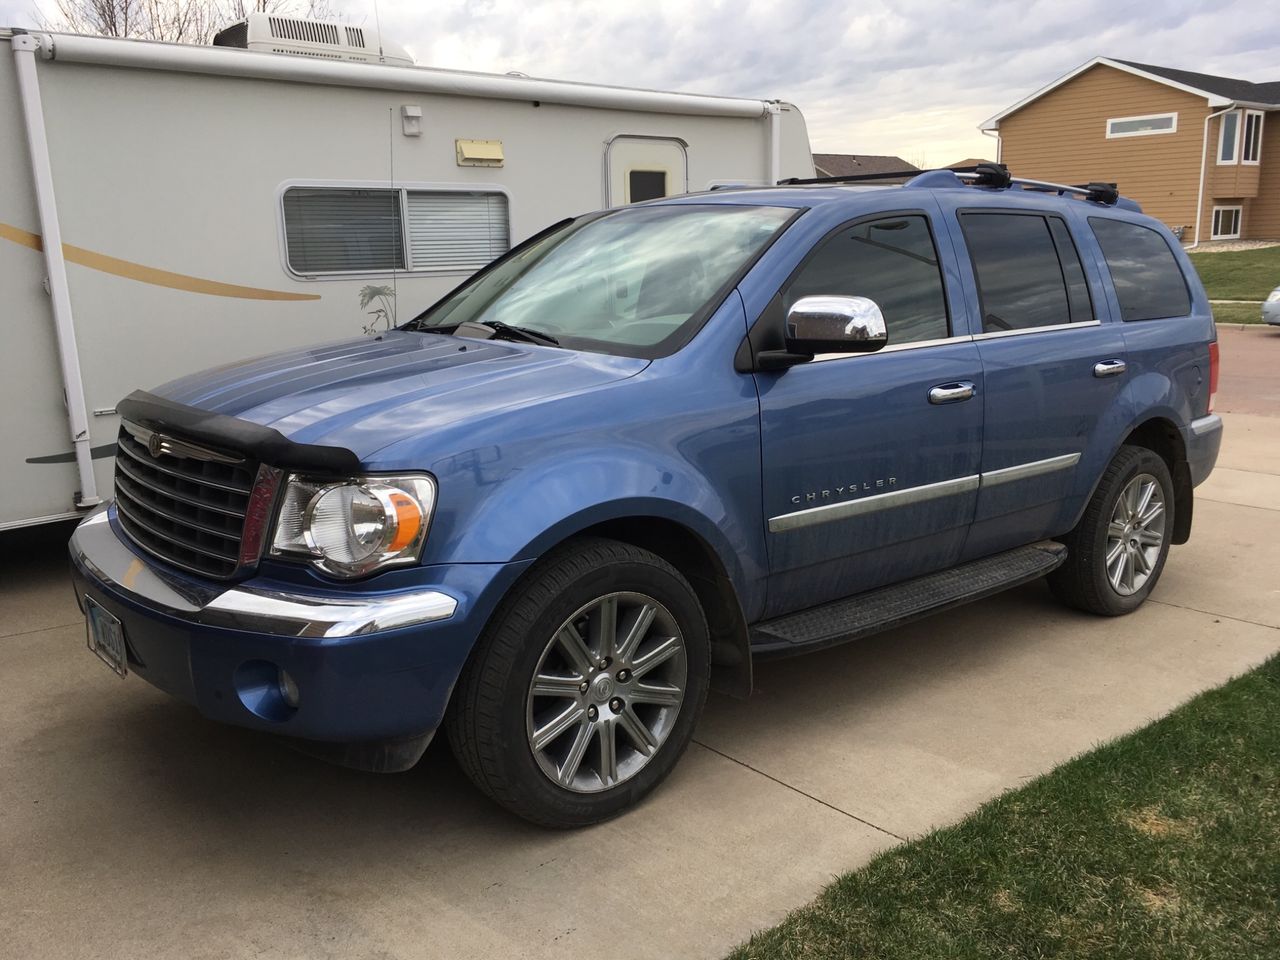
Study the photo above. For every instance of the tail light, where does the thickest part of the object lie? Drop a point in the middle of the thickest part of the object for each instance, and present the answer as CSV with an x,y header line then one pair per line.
x,y
1213,373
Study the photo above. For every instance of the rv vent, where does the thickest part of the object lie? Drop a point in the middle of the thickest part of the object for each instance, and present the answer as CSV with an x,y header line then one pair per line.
x,y
355,37
311,31
309,53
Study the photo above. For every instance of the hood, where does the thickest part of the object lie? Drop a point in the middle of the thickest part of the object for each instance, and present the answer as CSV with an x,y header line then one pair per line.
x,y
368,393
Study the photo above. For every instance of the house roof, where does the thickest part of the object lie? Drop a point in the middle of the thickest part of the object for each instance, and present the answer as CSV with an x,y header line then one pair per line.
x,y
1217,91
1239,90
849,165
970,162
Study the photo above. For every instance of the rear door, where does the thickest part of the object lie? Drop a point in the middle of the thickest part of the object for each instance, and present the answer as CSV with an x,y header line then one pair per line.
x,y
1053,364
867,478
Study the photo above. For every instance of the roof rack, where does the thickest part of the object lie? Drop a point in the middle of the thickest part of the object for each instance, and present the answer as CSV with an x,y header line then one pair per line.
x,y
994,175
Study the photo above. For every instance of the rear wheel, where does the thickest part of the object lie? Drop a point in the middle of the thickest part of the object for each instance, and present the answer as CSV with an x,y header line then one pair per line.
x,y
1116,553
584,690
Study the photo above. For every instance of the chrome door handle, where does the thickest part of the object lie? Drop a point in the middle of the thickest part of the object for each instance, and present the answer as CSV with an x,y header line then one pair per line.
x,y
1109,368
951,392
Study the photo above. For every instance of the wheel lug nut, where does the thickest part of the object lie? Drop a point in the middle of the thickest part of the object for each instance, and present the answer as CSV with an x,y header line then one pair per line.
x,y
624,676
583,687
592,713
615,704
604,664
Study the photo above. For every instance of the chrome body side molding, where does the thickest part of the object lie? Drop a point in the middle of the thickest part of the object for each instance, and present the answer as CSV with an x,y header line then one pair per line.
x,y
881,501
929,491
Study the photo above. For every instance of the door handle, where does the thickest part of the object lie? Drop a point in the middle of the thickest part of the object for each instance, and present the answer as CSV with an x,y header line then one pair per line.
x,y
951,392
1109,368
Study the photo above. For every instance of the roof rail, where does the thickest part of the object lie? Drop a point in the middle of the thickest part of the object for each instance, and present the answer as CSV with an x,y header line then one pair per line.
x,y
994,175
1096,191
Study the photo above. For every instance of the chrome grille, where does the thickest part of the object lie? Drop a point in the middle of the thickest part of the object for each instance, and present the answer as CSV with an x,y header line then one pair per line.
x,y
183,503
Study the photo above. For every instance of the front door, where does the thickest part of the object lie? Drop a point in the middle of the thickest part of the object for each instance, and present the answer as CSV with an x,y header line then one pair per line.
x,y
870,461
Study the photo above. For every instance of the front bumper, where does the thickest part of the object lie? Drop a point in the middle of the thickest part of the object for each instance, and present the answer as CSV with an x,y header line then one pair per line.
x,y
1271,312
369,665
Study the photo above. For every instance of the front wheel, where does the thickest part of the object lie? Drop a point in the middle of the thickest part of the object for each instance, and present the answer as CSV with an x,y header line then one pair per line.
x,y
1116,553
584,690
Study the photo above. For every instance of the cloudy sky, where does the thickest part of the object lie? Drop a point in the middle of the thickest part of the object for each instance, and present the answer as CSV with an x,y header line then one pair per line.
x,y
911,77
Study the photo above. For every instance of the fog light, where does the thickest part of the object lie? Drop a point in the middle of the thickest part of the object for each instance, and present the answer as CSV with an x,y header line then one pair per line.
x,y
288,689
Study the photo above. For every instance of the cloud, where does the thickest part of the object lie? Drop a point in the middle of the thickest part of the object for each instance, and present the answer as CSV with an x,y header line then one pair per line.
x,y
906,77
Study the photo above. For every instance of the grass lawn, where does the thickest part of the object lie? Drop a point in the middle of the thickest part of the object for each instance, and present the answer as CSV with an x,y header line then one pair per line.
x,y
1162,844
1237,312
1239,274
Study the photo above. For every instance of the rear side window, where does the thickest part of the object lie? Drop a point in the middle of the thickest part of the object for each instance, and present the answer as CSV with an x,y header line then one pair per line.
x,y
891,261
1149,283
1028,271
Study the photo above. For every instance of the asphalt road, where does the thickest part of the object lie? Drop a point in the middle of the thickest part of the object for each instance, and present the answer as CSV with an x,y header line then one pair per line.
x,y
132,828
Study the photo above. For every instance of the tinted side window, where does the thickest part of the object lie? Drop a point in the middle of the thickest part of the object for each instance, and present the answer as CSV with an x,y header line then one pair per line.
x,y
892,262
1020,277
1148,281
1072,272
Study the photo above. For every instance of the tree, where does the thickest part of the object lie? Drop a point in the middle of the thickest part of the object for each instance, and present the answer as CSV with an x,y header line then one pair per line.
x,y
176,21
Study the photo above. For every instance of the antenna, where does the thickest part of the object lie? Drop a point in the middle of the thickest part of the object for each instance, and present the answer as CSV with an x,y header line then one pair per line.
x,y
378,22
391,169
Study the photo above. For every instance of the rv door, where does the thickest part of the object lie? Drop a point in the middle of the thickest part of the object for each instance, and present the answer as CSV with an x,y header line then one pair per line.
x,y
644,168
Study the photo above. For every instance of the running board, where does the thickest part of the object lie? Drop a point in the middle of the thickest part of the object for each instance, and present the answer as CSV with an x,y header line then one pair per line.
x,y
888,607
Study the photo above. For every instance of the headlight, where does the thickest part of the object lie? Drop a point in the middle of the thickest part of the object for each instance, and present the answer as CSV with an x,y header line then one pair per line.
x,y
353,527
1275,296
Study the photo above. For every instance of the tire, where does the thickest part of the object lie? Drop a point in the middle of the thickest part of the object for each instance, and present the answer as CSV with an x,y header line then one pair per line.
x,y
503,731
1087,580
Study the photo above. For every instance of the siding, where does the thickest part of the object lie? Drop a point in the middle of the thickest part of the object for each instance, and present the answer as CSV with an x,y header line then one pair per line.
x,y
1262,216
1063,137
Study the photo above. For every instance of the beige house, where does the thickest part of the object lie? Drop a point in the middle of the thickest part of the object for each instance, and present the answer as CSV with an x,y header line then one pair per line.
x,y
1195,150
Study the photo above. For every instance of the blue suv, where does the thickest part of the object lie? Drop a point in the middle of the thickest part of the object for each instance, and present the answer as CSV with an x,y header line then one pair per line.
x,y
646,447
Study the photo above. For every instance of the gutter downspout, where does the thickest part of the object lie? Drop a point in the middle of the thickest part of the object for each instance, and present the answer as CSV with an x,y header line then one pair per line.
x,y
1204,160
774,111
999,141
24,60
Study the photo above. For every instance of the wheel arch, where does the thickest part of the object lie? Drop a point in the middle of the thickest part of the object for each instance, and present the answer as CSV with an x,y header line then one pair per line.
x,y
1161,436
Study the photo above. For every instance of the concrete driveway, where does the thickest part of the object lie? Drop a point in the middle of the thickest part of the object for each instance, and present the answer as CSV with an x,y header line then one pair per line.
x,y
130,827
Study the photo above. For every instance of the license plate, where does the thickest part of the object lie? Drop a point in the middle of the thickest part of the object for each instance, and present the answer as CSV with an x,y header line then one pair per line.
x,y
106,636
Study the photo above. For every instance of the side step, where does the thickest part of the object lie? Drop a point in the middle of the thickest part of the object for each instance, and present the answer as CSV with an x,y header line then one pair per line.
x,y
854,617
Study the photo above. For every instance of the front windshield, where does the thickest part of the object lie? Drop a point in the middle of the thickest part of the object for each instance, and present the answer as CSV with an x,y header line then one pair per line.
x,y
631,281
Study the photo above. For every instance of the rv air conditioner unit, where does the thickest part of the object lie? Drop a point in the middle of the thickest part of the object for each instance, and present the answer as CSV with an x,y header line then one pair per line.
x,y
268,33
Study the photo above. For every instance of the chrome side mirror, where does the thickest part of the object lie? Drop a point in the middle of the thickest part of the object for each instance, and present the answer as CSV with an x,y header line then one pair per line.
x,y
835,325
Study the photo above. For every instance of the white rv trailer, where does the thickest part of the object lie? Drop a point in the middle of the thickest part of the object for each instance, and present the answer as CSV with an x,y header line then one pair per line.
x,y
167,208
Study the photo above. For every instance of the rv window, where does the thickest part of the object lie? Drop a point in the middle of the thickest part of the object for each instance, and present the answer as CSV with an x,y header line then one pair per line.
x,y
455,231
334,230
342,231
646,185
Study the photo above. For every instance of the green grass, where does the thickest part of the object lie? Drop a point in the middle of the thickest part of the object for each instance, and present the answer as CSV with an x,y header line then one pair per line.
x,y
1237,312
1239,274
1163,844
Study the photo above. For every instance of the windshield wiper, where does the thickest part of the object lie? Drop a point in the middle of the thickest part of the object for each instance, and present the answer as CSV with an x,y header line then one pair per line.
x,y
528,334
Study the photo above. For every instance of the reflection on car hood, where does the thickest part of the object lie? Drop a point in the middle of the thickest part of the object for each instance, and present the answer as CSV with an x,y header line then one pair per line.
x,y
365,394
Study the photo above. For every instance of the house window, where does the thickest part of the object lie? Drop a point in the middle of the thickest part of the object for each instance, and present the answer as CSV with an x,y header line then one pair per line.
x,y
1251,149
335,231
1229,137
1226,223
1142,126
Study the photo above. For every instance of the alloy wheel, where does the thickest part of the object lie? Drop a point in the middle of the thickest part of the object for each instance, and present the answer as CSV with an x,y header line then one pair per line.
x,y
606,692
1135,535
